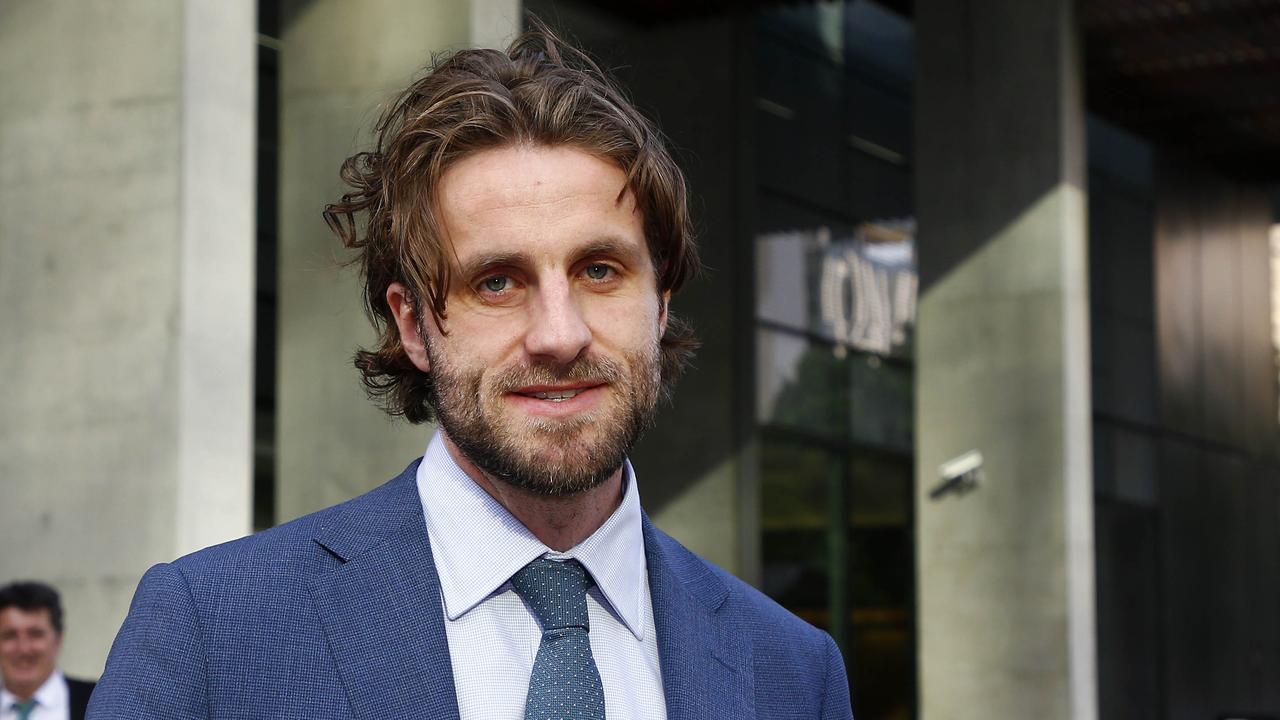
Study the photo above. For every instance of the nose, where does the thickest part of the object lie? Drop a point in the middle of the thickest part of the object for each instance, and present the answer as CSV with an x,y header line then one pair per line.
x,y
557,331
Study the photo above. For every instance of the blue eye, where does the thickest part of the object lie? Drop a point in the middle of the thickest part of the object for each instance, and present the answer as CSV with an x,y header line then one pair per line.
x,y
598,271
497,283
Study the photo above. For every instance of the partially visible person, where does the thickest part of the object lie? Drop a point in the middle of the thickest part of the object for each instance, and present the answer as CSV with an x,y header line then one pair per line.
x,y
30,640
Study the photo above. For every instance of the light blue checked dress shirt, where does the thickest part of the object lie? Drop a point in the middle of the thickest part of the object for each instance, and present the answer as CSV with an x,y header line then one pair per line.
x,y
493,638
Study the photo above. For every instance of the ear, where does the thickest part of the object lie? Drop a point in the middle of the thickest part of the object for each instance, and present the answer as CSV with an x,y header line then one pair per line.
x,y
663,313
407,322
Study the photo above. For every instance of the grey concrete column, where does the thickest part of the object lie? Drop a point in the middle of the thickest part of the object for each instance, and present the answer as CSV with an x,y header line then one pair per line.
x,y
339,62
126,291
1006,593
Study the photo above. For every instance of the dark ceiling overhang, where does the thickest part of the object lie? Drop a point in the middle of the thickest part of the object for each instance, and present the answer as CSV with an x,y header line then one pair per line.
x,y
1198,77
656,11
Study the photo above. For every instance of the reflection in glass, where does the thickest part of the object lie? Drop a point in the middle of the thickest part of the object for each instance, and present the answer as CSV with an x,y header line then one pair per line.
x,y
879,511
807,385
794,483
858,291
881,495
881,403
880,583
836,550
800,384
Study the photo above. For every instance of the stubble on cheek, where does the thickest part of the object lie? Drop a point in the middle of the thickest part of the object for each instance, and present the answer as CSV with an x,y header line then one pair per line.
x,y
551,456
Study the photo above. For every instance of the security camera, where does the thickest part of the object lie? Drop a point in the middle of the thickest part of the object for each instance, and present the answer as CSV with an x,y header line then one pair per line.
x,y
958,475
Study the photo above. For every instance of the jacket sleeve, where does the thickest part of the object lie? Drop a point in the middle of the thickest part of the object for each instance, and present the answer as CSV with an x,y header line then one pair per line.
x,y
835,699
156,668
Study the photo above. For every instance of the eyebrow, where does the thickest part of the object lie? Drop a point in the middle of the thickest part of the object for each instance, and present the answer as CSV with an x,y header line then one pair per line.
x,y
486,262
609,245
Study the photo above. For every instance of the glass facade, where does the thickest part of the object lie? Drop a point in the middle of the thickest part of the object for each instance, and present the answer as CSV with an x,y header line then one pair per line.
x,y
835,292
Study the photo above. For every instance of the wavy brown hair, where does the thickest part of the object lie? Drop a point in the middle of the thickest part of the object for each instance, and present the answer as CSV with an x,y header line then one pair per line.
x,y
541,91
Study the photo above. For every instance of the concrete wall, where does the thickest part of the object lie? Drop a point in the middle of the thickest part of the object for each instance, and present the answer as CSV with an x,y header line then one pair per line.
x,y
1006,626
339,62
126,280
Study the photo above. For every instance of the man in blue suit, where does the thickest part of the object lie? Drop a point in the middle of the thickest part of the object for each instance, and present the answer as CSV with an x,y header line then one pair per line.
x,y
521,229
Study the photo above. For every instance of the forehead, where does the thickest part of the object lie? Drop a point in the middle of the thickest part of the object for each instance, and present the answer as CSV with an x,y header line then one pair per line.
x,y
535,198
15,618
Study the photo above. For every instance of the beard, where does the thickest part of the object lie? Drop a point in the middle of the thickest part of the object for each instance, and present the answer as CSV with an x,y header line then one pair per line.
x,y
553,457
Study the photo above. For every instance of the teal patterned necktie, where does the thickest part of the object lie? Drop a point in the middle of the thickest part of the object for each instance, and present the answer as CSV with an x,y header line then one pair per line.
x,y
25,709
565,684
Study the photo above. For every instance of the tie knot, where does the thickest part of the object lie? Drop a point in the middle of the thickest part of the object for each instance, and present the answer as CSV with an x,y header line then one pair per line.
x,y
23,709
556,592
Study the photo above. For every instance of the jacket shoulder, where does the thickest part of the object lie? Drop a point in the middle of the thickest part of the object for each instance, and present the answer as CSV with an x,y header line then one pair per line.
x,y
316,541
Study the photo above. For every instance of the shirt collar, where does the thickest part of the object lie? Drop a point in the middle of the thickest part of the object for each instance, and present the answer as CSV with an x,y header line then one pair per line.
x,y
478,545
51,695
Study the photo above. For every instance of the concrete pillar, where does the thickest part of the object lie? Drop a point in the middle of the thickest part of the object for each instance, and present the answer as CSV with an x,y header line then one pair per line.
x,y
126,291
339,62
1006,594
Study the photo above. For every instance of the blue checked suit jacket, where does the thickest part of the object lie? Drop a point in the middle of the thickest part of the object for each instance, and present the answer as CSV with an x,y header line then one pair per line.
x,y
338,615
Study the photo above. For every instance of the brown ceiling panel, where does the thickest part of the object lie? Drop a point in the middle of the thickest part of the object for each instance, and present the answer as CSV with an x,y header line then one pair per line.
x,y
1202,76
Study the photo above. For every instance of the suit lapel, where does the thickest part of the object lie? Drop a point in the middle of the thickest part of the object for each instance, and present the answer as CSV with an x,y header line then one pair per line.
x,y
382,614
381,610
706,666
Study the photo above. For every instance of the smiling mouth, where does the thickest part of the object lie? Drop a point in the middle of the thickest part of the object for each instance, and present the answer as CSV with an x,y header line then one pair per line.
x,y
556,395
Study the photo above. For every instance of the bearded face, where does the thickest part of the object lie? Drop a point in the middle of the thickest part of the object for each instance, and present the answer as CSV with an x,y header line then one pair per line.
x,y
546,366
549,455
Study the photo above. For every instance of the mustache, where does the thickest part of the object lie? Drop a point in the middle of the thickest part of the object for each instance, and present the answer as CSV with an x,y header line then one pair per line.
x,y
583,369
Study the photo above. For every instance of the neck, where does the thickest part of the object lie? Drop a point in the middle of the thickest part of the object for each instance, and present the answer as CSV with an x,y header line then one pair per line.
x,y
560,523
24,693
